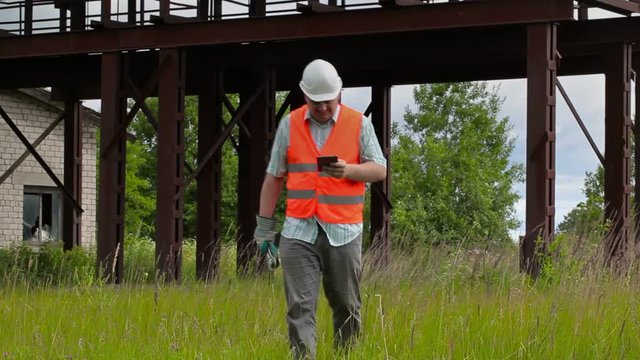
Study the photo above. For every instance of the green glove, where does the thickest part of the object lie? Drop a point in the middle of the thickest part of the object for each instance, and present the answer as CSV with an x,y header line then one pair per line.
x,y
265,238
270,252
265,231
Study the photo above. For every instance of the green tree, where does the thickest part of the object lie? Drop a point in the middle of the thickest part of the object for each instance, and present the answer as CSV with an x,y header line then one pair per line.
x,y
452,179
587,218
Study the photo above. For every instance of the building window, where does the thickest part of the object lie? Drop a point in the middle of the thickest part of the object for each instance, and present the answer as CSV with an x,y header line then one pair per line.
x,y
42,214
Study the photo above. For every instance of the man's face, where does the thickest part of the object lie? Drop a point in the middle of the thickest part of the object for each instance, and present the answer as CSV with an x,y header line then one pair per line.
x,y
322,111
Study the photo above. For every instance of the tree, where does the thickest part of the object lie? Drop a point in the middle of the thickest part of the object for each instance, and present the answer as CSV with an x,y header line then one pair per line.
x,y
587,218
452,179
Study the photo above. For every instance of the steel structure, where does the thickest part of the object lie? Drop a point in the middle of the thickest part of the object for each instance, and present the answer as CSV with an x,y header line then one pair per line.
x,y
88,49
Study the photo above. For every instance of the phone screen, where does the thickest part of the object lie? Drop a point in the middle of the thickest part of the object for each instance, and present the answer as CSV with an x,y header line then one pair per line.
x,y
326,160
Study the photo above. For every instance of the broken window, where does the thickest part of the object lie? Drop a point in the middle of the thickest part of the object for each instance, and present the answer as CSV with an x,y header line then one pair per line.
x,y
42,211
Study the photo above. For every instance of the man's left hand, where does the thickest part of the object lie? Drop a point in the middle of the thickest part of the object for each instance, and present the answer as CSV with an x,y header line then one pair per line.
x,y
337,170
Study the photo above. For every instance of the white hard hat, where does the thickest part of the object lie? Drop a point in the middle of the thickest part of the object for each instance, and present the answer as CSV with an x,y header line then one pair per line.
x,y
320,81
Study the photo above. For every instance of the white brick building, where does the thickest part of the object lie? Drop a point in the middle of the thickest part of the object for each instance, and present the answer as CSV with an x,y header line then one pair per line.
x,y
29,199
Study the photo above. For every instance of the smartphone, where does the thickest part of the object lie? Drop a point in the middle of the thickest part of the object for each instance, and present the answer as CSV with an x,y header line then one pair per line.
x,y
326,160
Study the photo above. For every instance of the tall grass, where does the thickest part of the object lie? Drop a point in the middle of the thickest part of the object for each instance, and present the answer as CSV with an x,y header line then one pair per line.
x,y
429,303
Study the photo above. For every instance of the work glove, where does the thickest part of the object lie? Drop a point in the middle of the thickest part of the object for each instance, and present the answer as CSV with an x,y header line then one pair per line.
x,y
265,238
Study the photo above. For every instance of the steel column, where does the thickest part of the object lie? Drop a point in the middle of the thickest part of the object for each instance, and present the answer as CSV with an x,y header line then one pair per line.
x,y
253,158
617,150
62,20
257,8
169,214
105,11
71,218
636,203
78,14
131,11
380,212
165,8
209,222
28,17
112,171
541,126
203,10
296,97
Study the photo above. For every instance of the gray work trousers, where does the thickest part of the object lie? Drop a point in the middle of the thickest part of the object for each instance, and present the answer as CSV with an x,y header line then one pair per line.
x,y
340,267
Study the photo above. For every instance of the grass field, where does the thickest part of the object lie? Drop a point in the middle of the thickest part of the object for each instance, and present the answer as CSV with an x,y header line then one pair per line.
x,y
429,304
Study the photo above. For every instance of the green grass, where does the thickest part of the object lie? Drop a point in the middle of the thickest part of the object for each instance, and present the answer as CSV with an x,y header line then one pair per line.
x,y
429,304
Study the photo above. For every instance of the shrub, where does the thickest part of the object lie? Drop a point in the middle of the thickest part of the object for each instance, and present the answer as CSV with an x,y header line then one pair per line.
x,y
48,265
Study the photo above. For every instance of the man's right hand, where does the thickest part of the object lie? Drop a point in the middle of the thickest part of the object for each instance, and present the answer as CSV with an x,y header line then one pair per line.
x,y
265,231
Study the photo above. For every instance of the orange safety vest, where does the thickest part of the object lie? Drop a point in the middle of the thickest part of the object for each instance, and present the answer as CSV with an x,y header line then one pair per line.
x,y
338,201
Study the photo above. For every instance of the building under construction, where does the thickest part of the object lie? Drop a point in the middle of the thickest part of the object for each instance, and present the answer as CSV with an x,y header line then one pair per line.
x,y
134,49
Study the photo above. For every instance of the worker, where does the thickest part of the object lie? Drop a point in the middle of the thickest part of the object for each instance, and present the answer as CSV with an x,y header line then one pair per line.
x,y
321,238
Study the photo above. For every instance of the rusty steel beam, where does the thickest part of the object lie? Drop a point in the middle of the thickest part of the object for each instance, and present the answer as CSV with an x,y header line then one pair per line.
x,y
209,180
244,107
492,53
203,10
297,97
636,203
131,11
293,27
111,209
317,7
583,127
138,100
68,195
541,127
71,218
283,107
105,11
601,31
618,6
229,106
257,8
35,144
28,17
617,170
253,158
380,211
78,14
170,175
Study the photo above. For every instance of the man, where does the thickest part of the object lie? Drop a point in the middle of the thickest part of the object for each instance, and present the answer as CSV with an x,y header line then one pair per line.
x,y
322,232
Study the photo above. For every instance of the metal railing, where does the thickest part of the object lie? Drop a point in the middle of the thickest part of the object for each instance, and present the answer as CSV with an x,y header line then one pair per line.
x,y
26,17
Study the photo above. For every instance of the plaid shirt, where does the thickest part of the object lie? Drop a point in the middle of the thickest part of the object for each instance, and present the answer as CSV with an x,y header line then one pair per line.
x,y
307,229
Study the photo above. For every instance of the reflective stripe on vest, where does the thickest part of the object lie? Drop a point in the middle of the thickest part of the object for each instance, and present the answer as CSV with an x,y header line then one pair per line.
x,y
294,168
311,193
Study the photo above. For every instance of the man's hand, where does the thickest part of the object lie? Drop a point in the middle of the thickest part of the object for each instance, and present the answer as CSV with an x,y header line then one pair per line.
x,y
264,236
265,231
364,172
337,169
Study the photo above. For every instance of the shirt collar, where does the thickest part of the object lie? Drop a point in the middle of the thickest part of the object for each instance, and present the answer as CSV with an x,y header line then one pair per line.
x,y
308,116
